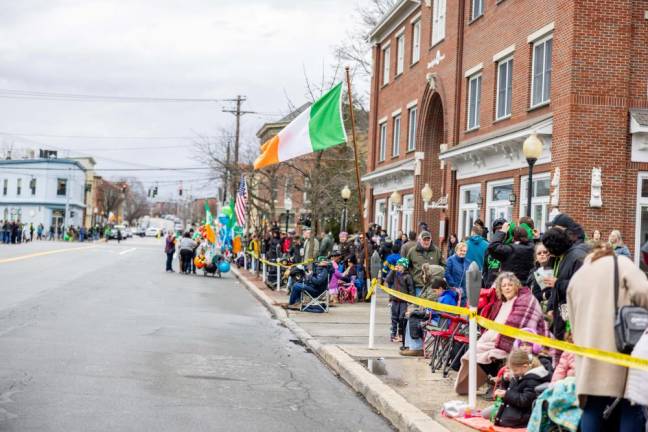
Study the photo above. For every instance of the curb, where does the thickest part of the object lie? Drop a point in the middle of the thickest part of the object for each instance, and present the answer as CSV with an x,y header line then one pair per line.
x,y
391,405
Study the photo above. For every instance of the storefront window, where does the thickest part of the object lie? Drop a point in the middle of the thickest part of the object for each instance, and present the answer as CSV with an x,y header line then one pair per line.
x,y
641,230
408,213
468,209
379,216
499,201
539,200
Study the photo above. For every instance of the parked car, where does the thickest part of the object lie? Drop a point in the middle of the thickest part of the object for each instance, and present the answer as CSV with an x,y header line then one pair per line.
x,y
152,232
140,232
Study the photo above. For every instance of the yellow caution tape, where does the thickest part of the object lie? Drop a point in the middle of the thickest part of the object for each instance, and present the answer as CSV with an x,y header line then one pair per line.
x,y
275,264
614,358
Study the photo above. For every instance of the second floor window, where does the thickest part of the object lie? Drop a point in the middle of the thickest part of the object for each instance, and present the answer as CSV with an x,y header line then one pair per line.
x,y
386,64
400,54
5,186
474,101
504,88
438,21
416,41
19,186
396,137
541,79
382,150
61,187
477,9
411,129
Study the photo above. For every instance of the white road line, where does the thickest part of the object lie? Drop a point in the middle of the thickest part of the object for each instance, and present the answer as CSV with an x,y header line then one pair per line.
x,y
127,251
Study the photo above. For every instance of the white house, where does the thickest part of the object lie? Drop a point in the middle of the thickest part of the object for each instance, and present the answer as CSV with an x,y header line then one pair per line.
x,y
38,190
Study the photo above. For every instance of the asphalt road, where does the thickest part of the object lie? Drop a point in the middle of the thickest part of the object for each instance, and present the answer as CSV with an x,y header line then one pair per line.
x,y
100,338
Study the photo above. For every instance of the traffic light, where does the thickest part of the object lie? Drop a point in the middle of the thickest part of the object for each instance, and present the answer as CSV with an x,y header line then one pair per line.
x,y
150,191
155,191
124,188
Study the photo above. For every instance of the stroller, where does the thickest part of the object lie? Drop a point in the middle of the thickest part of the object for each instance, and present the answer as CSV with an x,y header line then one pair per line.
x,y
212,267
347,291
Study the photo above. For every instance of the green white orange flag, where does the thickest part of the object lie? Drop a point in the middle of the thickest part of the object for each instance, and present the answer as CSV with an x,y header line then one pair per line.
x,y
315,129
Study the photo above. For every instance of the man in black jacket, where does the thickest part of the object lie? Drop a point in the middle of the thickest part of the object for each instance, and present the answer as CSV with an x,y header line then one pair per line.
x,y
517,256
492,266
565,241
315,283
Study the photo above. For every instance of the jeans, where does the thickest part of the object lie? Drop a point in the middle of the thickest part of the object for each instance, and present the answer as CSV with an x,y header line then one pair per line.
x,y
185,259
297,289
169,261
398,309
624,418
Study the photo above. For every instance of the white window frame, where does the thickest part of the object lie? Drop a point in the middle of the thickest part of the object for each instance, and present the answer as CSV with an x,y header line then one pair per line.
x,y
396,129
438,21
473,116
412,115
416,41
382,141
400,53
535,201
641,202
379,216
408,213
545,72
508,90
393,218
18,186
475,7
386,58
490,203
472,209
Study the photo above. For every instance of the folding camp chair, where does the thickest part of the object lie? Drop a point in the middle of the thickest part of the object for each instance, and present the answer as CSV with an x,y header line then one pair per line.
x,y
310,303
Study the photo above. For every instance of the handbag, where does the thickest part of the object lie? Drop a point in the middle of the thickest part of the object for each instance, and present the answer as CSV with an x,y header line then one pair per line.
x,y
630,321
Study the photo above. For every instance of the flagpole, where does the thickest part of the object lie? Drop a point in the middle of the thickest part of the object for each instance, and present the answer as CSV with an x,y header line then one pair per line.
x,y
372,313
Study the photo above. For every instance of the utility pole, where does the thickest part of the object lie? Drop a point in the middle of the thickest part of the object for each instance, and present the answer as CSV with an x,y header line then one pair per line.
x,y
226,180
237,113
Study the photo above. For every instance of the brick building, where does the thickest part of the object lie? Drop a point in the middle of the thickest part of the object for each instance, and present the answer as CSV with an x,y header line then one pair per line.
x,y
459,85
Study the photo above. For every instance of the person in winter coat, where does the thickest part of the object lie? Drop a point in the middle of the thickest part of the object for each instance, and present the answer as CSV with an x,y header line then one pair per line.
x,y
617,243
169,250
517,399
400,280
543,267
409,244
456,268
337,273
565,242
591,306
315,283
452,244
492,267
424,252
516,257
477,246
326,246
311,246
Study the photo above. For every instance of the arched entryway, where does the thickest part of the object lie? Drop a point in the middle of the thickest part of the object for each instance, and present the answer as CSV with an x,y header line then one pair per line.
x,y
432,134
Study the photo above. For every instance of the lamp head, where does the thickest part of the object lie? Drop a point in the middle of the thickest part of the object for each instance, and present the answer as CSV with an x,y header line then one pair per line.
x,y
345,192
532,147
395,198
426,193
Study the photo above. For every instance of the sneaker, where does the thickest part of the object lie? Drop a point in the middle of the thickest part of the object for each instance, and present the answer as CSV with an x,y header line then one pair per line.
x,y
411,353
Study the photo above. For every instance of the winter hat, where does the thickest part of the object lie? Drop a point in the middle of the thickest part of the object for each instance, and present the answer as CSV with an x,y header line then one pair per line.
x,y
535,347
403,262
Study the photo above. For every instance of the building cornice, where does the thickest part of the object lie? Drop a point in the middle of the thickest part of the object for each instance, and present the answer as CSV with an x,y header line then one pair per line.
x,y
43,161
392,19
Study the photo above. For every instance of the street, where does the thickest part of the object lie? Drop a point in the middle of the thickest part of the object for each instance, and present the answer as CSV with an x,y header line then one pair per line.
x,y
97,337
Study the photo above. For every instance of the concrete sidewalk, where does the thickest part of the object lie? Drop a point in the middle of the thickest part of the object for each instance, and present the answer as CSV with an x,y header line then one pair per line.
x,y
402,389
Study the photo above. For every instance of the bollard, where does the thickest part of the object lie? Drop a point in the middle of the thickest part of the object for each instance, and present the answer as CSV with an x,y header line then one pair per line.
x,y
264,268
376,266
278,275
473,287
244,260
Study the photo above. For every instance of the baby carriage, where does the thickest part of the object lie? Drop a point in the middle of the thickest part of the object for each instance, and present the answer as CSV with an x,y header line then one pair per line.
x,y
347,291
212,268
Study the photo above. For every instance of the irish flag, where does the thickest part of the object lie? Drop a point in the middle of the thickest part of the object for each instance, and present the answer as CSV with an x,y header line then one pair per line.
x,y
316,129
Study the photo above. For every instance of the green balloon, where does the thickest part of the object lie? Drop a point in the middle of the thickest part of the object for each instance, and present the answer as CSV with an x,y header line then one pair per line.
x,y
238,230
227,211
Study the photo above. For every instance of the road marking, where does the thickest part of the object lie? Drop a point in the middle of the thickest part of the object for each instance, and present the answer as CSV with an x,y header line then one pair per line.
x,y
38,254
127,251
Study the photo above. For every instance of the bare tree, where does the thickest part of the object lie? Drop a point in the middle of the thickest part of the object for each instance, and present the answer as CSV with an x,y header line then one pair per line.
x,y
136,203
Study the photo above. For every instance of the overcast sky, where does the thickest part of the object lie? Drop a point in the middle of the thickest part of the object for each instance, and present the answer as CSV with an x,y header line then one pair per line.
x,y
157,48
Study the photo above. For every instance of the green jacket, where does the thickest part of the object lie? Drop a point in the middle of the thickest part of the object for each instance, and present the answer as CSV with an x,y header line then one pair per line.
x,y
326,246
419,256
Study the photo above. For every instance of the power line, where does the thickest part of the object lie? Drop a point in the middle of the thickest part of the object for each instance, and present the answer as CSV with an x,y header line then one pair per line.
x,y
80,97
110,169
40,135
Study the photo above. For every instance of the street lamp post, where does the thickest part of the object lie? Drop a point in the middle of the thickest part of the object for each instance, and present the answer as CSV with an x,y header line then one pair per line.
x,y
345,193
288,207
532,149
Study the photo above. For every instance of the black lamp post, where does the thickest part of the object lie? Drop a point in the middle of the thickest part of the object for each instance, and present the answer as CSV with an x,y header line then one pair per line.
x,y
345,193
288,207
532,149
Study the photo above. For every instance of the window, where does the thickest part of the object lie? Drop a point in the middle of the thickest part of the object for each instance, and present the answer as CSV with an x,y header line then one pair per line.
x,y
641,228
438,21
386,61
469,203
379,217
396,137
5,186
477,9
411,129
61,187
408,213
32,186
504,88
400,54
474,100
18,186
416,41
498,202
539,200
541,80
382,151
394,221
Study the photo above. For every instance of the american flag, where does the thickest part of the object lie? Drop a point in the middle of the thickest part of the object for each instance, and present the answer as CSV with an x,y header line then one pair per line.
x,y
241,202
